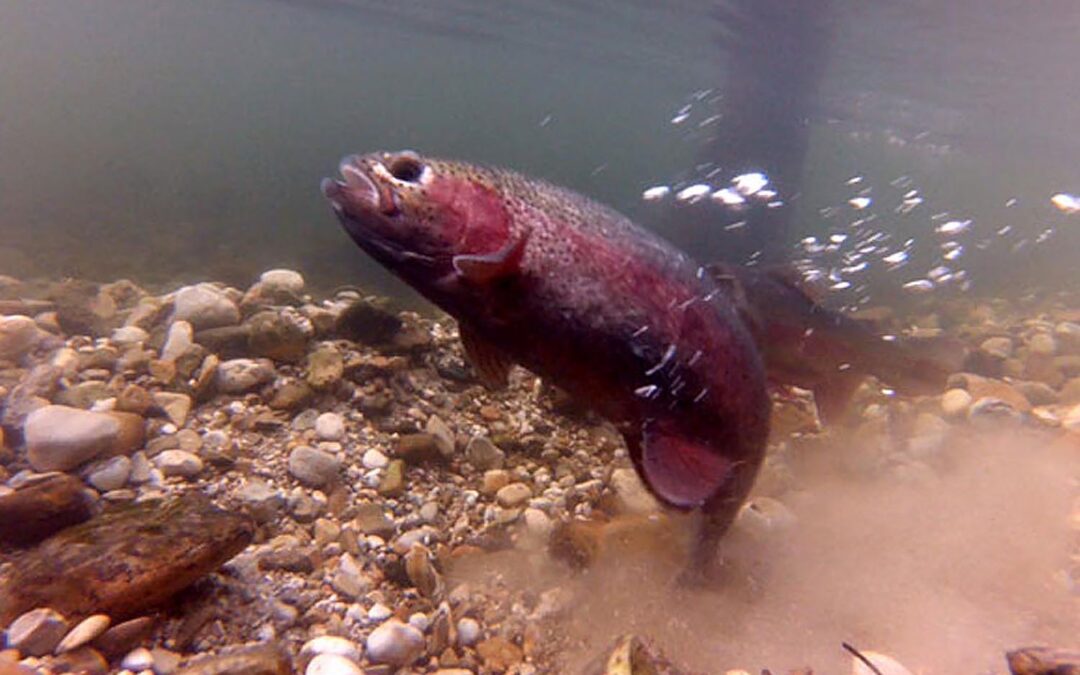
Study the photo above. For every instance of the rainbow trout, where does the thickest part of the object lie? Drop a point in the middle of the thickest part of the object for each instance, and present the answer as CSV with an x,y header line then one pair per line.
x,y
544,277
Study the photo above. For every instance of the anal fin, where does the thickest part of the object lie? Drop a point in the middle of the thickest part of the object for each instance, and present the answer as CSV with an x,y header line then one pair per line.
x,y
681,471
492,365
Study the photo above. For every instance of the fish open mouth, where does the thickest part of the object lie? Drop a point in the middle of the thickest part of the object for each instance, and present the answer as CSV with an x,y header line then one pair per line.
x,y
357,192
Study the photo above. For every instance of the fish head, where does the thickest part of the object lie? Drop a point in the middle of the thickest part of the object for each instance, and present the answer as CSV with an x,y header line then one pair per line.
x,y
418,216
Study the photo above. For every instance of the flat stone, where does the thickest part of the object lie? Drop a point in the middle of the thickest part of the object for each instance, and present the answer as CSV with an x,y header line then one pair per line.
x,y
418,448
43,506
444,437
483,454
393,481
88,629
37,632
177,406
83,395
325,367
988,412
129,335
138,659
312,466
395,643
290,394
123,637
228,342
179,340
127,560
237,376
261,501
367,322
205,306
134,399
179,463
372,519
513,495
59,438
113,474
330,427
422,573
261,659
279,336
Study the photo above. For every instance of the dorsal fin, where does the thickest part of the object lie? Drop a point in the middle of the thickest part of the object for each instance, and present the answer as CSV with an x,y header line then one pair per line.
x,y
483,268
683,472
492,365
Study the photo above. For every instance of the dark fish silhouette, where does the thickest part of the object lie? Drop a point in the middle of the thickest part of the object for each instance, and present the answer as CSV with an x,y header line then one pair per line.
x,y
808,345
539,275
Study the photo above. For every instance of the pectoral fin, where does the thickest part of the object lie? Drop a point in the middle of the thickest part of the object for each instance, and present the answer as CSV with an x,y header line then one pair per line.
x,y
492,365
484,268
682,472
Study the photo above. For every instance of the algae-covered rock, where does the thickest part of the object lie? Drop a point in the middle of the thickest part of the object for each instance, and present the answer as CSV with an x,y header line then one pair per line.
x,y
126,560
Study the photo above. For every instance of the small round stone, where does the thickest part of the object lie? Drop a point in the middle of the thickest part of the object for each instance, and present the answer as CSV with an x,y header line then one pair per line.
x,y
112,475
179,463
330,427
282,280
312,466
395,643
330,644
468,631
373,459
205,306
332,664
514,494
138,659
955,403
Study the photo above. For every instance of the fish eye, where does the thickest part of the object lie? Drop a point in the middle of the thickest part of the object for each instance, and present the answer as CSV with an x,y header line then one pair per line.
x,y
407,168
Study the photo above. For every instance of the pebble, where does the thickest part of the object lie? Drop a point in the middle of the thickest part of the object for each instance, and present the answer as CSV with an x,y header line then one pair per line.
x,y
468,630
330,427
140,468
87,630
325,367
494,480
37,632
237,376
59,438
176,405
955,403
512,495
631,495
393,481
395,643
379,612
330,645
205,306
422,573
444,437
129,335
179,463
138,659
277,280
112,475
373,459
178,341
1042,344
990,412
997,347
312,466
483,454
332,664
18,336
